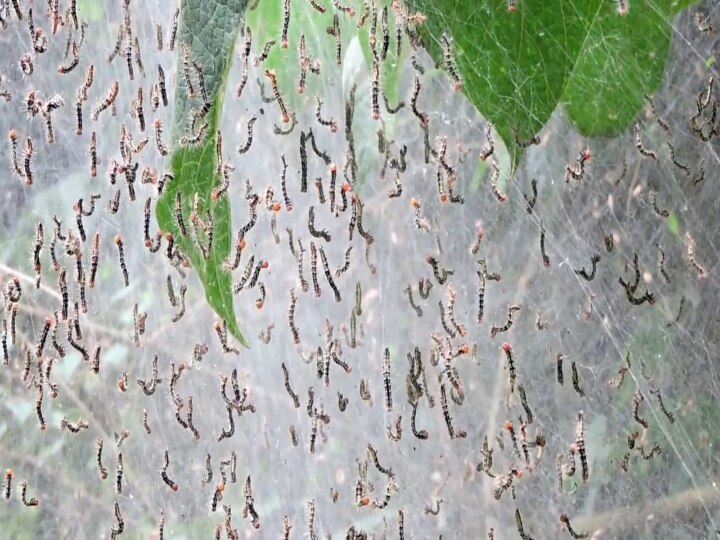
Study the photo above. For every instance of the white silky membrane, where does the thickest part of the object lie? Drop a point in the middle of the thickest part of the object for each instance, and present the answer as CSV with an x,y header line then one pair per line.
x,y
591,323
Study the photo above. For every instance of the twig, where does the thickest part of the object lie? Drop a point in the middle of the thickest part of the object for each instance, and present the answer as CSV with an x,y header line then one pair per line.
x,y
634,518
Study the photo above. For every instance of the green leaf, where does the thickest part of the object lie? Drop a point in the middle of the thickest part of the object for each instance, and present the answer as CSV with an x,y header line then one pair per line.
x,y
363,126
89,10
210,28
266,23
517,67
391,68
390,72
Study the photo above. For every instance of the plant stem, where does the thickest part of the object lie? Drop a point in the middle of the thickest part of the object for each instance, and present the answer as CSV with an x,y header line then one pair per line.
x,y
631,518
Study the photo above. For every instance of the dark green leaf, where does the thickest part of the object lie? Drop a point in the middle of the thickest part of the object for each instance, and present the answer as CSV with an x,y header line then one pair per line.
x,y
516,67
209,27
